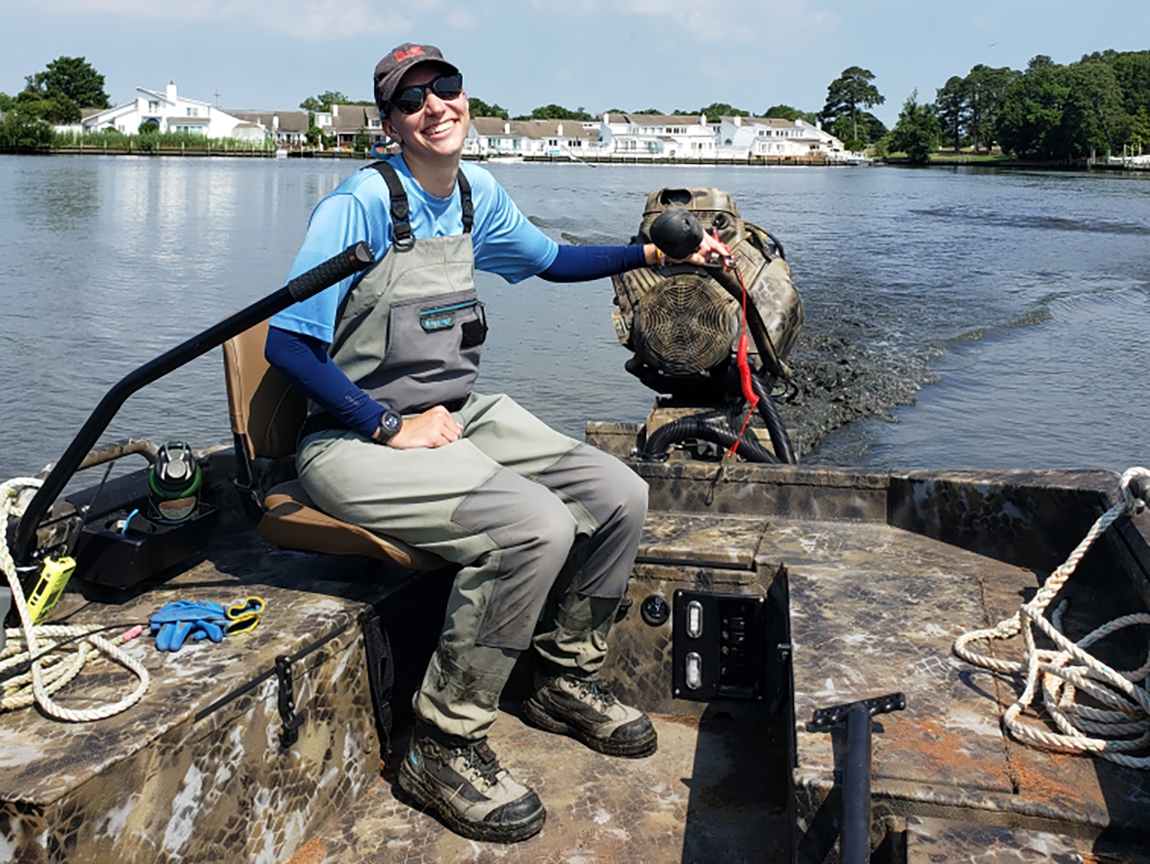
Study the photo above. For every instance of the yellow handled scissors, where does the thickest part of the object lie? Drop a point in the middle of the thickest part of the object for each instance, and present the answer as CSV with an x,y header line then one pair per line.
x,y
243,617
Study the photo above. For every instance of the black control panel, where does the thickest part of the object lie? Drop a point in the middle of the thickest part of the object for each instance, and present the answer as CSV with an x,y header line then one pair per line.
x,y
719,646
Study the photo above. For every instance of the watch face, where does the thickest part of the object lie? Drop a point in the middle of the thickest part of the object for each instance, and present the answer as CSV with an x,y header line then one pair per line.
x,y
390,422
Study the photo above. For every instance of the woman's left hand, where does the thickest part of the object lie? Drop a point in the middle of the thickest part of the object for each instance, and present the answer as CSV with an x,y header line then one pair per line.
x,y
711,251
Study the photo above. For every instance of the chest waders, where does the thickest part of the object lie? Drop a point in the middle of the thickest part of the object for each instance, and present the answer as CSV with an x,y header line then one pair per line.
x,y
512,502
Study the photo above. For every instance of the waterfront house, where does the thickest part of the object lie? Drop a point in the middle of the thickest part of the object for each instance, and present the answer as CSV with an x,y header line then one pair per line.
x,y
169,111
672,136
344,122
490,136
773,137
287,128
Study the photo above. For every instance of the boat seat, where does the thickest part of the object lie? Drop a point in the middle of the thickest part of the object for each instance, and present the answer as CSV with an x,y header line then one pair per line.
x,y
266,413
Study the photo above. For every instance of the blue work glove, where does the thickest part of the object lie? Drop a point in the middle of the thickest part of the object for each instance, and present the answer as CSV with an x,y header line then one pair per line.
x,y
176,620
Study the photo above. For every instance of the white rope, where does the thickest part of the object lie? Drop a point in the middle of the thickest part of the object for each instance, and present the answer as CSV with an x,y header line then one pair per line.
x,y
1059,674
44,645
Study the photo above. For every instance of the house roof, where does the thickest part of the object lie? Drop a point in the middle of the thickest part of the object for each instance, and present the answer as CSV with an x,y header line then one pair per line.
x,y
493,127
352,118
164,97
661,119
290,121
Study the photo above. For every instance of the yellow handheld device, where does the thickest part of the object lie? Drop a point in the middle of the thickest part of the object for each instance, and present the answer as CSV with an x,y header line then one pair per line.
x,y
53,577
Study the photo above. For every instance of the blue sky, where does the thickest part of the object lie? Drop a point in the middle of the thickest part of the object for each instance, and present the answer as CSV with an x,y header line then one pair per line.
x,y
599,54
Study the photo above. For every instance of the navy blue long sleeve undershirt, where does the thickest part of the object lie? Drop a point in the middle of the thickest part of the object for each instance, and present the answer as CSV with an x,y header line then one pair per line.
x,y
583,263
304,359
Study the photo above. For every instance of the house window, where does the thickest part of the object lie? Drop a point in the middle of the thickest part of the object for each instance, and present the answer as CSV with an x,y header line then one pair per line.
x,y
153,107
193,112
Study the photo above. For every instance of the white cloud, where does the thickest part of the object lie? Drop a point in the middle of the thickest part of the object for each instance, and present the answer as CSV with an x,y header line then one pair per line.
x,y
462,18
716,21
316,20
566,8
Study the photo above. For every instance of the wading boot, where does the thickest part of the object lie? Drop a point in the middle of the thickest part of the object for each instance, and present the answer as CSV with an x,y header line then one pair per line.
x,y
463,783
586,710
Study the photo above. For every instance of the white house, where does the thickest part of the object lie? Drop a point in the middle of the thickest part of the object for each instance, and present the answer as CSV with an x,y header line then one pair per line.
x,y
668,136
168,110
771,136
490,136
345,122
287,128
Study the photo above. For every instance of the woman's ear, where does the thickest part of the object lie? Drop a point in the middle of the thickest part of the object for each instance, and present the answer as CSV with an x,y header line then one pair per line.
x,y
388,129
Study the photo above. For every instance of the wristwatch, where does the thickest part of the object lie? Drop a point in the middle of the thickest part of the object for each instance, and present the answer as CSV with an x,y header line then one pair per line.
x,y
389,425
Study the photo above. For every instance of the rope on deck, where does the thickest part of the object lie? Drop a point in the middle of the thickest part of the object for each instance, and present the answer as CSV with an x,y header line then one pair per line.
x,y
1060,674
42,647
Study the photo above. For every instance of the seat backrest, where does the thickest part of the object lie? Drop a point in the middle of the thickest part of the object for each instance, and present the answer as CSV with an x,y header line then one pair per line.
x,y
265,409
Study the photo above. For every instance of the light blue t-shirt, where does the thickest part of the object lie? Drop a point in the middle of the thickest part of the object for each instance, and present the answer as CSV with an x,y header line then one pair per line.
x,y
503,240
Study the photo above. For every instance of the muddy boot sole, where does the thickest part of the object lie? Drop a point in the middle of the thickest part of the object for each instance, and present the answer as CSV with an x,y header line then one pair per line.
x,y
537,715
426,799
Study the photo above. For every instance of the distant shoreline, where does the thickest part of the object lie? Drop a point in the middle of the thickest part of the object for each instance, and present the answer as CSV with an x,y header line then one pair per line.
x,y
944,160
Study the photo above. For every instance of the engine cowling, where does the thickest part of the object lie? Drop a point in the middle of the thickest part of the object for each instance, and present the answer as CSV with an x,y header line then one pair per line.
x,y
683,321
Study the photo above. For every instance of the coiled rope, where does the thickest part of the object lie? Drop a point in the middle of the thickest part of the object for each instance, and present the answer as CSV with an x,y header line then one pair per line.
x,y
43,648
1061,673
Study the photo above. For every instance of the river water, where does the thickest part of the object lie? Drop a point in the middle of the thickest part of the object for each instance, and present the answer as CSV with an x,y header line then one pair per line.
x,y
1024,297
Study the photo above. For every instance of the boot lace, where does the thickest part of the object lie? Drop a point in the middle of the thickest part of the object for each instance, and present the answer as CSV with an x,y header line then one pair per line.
x,y
597,692
481,759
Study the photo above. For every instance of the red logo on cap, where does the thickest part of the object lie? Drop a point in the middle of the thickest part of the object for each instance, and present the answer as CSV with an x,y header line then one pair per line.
x,y
413,51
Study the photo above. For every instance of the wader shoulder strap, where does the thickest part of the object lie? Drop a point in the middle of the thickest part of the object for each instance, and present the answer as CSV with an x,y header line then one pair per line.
x,y
402,238
465,202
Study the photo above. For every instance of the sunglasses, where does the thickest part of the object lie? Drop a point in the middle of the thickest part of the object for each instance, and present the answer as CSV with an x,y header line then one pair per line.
x,y
411,98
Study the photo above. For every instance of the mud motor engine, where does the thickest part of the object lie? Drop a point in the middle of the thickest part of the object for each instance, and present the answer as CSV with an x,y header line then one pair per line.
x,y
683,323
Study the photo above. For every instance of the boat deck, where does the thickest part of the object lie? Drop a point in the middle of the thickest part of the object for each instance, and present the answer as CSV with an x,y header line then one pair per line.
x,y
197,773
702,796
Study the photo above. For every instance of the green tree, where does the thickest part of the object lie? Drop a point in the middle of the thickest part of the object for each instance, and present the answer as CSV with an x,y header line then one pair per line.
x,y
6,101
58,110
1132,71
556,112
479,108
73,78
714,111
871,129
324,101
23,127
917,132
950,106
847,93
786,112
1030,123
1094,116
362,141
1139,137
985,92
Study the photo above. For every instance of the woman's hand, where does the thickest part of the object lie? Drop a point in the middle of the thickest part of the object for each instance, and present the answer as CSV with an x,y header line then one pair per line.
x,y
433,428
712,252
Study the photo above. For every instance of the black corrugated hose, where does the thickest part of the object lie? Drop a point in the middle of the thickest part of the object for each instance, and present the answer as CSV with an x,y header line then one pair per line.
x,y
694,427
769,411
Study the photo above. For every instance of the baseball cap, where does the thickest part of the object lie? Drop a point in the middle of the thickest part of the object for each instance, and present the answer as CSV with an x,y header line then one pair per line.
x,y
397,61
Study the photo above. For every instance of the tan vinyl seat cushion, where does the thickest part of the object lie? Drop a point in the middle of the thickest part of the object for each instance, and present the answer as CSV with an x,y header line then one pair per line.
x,y
266,413
293,522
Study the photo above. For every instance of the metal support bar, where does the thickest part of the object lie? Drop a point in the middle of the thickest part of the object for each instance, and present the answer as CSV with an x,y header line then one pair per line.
x,y
352,260
856,769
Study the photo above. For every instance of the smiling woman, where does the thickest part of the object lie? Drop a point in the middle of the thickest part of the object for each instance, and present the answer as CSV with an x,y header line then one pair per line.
x,y
398,443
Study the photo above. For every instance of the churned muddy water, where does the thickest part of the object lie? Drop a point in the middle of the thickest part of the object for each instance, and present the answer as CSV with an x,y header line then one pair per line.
x,y
1023,296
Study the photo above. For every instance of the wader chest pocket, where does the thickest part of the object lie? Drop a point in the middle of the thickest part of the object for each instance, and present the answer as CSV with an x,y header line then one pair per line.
x,y
434,331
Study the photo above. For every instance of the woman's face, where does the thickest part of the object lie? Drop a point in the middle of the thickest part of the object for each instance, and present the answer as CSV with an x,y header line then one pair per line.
x,y
436,130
